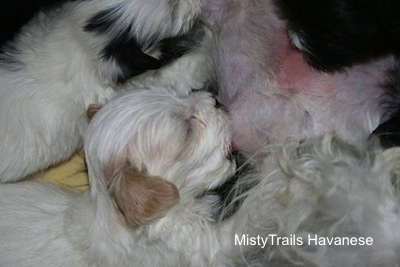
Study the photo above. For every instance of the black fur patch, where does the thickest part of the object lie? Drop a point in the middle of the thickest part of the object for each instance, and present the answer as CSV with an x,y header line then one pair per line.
x,y
127,52
122,49
174,47
14,14
340,33
102,22
389,131
391,97
212,87
232,196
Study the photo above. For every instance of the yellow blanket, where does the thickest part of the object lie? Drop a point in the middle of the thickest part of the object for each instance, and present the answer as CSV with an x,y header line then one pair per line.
x,y
71,173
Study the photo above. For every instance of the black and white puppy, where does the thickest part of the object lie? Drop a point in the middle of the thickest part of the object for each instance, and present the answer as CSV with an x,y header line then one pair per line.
x,y
66,58
335,34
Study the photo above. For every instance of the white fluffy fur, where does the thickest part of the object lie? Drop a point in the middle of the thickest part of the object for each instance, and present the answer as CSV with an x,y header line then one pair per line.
x,y
151,144
56,71
323,186
142,149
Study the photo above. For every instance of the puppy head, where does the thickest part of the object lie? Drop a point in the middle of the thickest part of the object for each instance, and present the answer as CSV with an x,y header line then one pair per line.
x,y
145,145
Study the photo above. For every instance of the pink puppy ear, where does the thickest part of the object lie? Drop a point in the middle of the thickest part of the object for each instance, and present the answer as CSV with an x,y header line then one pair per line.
x,y
139,197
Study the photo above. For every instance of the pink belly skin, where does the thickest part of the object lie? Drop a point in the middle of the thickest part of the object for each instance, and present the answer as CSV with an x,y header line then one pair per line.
x,y
272,94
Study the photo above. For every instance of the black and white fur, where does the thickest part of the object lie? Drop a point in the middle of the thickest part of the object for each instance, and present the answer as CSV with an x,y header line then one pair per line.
x,y
66,58
334,35
337,34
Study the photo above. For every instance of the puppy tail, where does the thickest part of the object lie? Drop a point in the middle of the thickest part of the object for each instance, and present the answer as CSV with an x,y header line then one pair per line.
x,y
140,197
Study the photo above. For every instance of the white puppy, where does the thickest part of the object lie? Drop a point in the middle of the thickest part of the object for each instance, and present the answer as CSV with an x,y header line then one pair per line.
x,y
320,203
70,57
150,157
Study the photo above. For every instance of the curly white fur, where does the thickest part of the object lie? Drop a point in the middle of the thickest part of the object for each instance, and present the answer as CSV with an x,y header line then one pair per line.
x,y
322,188
150,157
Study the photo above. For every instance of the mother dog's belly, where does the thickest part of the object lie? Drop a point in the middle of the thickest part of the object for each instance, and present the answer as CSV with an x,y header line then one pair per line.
x,y
273,95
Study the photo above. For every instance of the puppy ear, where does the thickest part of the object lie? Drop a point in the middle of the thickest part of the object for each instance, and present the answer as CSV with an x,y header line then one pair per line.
x,y
92,110
139,197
